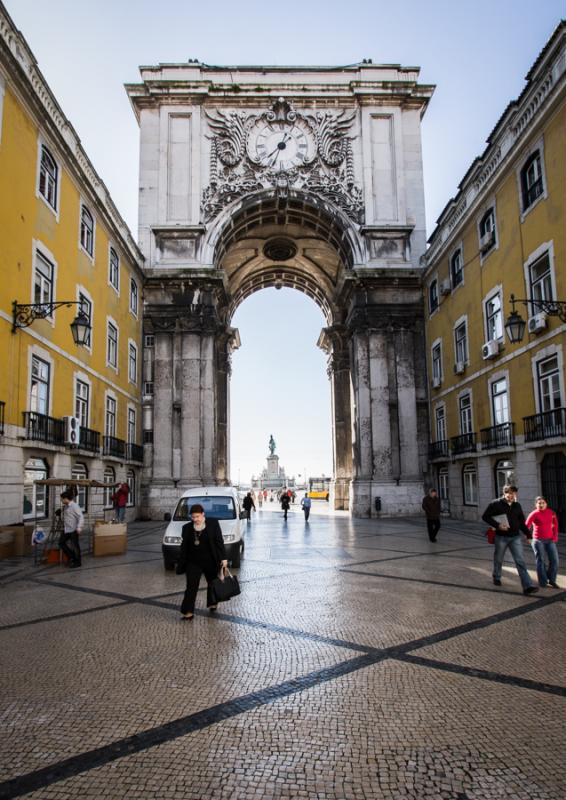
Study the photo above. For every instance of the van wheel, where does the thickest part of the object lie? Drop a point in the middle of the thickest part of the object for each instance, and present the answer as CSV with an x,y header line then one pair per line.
x,y
169,565
237,558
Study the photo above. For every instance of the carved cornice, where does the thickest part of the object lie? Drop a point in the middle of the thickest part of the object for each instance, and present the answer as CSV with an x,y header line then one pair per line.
x,y
335,341
383,318
197,318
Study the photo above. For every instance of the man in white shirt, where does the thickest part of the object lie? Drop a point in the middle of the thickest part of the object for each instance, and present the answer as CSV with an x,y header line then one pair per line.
x,y
73,521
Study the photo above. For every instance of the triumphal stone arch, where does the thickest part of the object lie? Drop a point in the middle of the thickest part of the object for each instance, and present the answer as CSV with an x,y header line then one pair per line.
x,y
304,177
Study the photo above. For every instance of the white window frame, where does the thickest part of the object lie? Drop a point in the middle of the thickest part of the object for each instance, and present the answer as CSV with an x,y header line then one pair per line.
x,y
81,377
467,393
42,143
455,250
43,355
433,282
541,355
149,340
495,246
83,293
109,472
525,156
85,207
131,481
495,378
440,407
49,383
470,498
133,349
545,249
133,282
38,248
110,396
131,411
461,322
112,322
79,470
437,344
496,290
115,286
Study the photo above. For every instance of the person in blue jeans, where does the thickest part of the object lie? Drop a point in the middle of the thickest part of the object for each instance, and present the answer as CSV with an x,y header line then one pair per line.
x,y
306,503
506,516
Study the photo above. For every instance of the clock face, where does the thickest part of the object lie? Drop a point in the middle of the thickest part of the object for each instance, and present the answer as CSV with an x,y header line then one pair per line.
x,y
281,145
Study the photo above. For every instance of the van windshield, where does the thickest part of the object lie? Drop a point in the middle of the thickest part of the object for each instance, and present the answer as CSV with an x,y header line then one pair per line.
x,y
214,507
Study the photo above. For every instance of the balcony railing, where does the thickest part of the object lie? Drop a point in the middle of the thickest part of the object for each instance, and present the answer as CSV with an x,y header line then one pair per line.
x,y
89,440
134,452
440,449
466,443
2,406
546,425
42,428
112,446
498,436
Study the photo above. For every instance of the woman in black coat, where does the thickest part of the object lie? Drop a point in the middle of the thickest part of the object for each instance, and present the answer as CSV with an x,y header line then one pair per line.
x,y
202,550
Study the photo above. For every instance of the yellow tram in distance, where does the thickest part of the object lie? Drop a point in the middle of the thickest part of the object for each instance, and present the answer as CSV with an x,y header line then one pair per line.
x,y
319,488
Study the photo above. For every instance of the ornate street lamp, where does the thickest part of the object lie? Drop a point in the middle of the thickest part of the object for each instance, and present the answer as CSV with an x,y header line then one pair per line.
x,y
24,314
515,324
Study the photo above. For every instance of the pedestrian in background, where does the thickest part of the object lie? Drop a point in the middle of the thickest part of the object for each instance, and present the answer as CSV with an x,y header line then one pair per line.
x,y
248,503
506,516
120,501
285,503
431,507
202,551
73,521
306,503
544,524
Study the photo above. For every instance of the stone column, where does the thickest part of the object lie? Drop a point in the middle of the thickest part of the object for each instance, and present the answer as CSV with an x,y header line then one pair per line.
x,y
162,471
404,345
225,344
335,342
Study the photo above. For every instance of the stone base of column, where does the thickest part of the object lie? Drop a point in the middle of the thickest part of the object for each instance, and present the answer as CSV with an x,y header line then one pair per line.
x,y
158,498
395,499
340,494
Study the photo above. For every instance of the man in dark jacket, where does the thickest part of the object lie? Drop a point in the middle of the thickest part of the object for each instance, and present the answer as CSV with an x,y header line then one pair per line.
x,y
431,507
506,517
248,503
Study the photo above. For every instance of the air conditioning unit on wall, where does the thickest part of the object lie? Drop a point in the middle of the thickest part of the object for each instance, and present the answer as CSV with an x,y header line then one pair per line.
x,y
72,430
537,323
490,350
445,287
459,367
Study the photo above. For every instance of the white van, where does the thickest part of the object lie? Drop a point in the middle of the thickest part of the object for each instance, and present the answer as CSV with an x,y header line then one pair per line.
x,y
219,502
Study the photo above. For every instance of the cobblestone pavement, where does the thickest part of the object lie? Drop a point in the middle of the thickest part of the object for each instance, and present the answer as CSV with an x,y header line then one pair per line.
x,y
360,661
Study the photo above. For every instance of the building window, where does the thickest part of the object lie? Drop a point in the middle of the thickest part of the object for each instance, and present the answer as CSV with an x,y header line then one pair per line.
x,y
48,178
493,318
531,180
131,426
504,474
443,487
109,478
461,343
457,268
437,364
85,306
549,392
110,418
440,417
79,473
133,297
470,484
499,402
540,280
82,397
114,269
433,296
112,346
87,230
132,363
148,388
35,495
487,231
131,481
465,411
149,340
43,278
40,381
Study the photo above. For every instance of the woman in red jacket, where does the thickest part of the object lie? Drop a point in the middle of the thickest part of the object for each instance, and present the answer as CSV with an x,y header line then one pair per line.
x,y
544,524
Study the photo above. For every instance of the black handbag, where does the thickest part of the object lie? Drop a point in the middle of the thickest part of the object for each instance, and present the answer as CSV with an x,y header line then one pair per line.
x,y
223,588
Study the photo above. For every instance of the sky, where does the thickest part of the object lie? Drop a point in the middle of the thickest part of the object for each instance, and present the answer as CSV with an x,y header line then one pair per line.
x,y
476,52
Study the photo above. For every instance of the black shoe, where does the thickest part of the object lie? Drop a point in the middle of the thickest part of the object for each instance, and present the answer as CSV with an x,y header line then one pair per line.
x,y
530,590
553,584
496,582
212,609
74,564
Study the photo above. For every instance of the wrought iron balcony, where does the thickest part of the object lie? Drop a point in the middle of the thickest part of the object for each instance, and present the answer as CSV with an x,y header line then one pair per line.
x,y
41,428
134,452
111,446
439,449
547,425
2,407
89,440
498,436
465,443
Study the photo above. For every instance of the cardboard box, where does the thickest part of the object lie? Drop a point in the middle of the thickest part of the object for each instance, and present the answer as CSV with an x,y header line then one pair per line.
x,y
103,528
112,544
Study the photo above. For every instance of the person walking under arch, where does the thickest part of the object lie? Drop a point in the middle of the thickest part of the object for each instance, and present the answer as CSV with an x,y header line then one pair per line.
x,y
285,503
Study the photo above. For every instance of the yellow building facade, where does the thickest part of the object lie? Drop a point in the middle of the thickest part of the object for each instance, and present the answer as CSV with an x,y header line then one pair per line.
x,y
65,410
498,407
